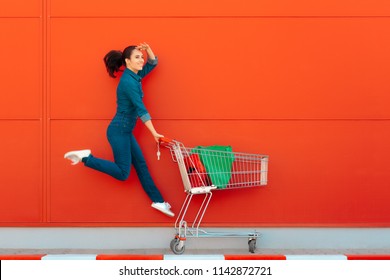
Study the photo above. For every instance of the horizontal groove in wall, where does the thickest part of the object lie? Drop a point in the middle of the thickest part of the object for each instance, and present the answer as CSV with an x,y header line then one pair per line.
x,y
242,119
204,225
21,119
222,17
19,17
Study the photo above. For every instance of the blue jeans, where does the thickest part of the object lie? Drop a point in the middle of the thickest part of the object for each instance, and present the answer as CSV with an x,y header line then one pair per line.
x,y
126,152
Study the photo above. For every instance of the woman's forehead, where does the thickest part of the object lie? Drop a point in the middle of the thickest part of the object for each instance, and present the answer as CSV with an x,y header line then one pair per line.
x,y
137,52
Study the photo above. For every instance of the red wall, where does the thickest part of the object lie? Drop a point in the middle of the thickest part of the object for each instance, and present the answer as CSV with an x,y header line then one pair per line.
x,y
305,82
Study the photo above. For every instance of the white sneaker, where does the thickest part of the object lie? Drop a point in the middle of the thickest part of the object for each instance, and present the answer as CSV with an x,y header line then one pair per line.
x,y
76,156
163,207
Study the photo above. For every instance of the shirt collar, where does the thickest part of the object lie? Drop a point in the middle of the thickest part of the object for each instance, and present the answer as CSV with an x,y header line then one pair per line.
x,y
132,74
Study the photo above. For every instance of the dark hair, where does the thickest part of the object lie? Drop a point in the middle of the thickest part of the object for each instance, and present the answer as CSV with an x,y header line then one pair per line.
x,y
114,59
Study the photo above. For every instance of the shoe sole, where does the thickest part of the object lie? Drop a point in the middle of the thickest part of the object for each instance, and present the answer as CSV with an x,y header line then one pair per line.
x,y
68,157
169,214
74,162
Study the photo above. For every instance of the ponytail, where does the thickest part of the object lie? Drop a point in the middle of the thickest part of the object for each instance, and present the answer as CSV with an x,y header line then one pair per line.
x,y
114,60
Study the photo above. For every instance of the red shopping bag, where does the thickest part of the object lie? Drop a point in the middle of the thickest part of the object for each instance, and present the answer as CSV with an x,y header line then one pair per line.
x,y
196,171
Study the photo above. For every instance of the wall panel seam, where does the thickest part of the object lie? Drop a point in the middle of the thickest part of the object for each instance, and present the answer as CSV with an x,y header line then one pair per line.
x,y
20,17
216,17
227,119
44,112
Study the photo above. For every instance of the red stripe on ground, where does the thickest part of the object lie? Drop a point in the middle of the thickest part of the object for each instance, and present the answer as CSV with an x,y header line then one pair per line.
x,y
255,257
129,257
368,257
21,257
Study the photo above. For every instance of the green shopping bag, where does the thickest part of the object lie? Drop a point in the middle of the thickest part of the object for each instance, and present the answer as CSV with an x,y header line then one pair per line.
x,y
218,162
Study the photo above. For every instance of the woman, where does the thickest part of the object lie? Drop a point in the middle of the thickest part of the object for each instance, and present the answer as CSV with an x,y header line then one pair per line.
x,y
120,131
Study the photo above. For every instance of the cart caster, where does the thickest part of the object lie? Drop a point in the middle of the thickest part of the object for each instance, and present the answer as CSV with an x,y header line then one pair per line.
x,y
252,245
177,246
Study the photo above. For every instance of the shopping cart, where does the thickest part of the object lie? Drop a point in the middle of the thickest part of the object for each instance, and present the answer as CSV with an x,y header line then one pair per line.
x,y
207,169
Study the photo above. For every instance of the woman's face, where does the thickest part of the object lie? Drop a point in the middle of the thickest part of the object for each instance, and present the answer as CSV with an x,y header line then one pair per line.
x,y
136,61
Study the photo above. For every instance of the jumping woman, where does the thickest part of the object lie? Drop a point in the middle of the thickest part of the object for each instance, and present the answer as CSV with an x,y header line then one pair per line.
x,y
130,108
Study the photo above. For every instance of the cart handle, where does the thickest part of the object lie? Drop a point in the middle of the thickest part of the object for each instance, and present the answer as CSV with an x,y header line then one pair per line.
x,y
164,140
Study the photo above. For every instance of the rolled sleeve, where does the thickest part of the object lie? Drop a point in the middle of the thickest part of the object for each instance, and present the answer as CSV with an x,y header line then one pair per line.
x,y
146,117
148,67
153,61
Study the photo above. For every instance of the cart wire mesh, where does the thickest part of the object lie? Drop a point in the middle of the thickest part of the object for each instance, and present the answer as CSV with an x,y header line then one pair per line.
x,y
218,167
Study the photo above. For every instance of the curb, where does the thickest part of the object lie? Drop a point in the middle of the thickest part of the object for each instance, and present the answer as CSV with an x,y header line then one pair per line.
x,y
192,257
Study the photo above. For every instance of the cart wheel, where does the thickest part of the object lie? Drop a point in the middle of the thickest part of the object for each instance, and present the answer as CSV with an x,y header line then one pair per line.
x,y
176,247
252,245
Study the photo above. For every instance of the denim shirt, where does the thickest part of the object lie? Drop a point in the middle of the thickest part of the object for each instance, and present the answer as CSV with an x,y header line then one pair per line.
x,y
129,92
